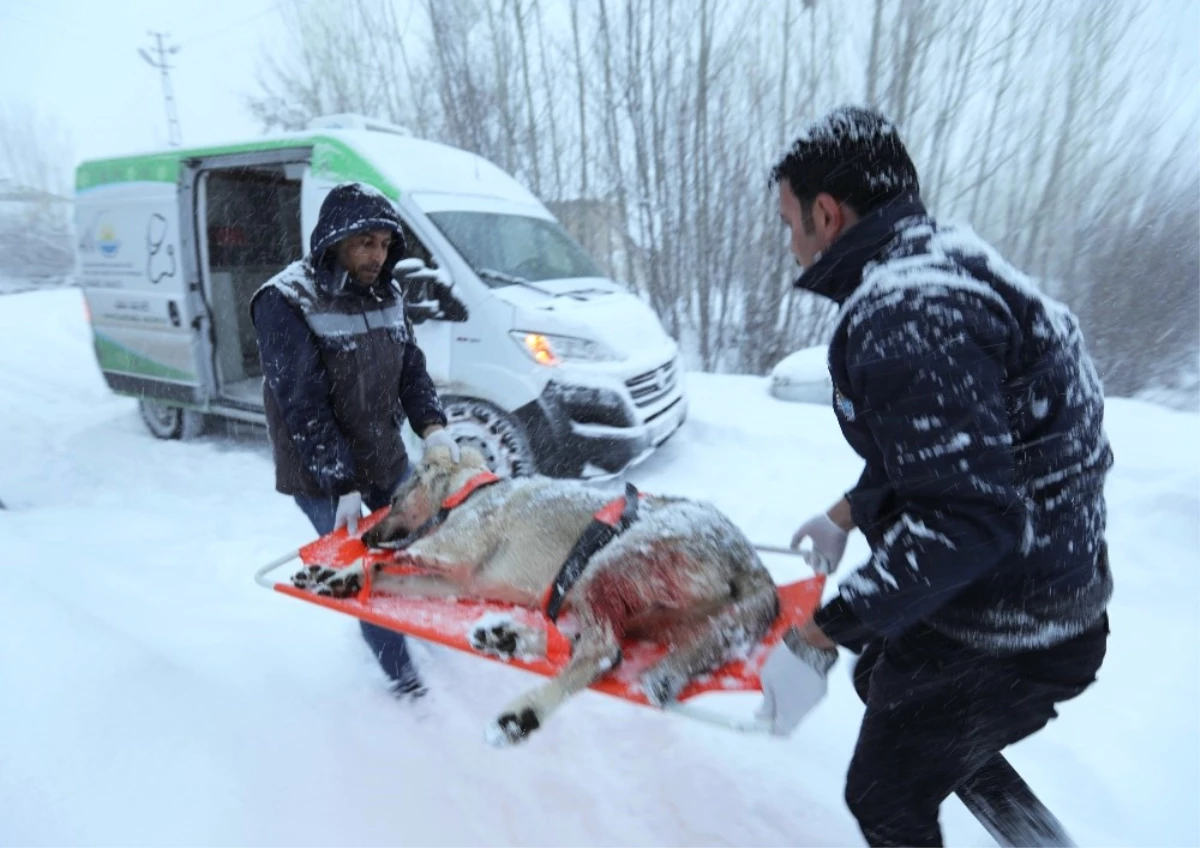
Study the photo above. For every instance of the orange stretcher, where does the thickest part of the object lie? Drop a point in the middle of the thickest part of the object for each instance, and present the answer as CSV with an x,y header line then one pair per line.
x,y
449,622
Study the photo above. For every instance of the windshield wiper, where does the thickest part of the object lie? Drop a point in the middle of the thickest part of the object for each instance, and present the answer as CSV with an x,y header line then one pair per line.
x,y
501,277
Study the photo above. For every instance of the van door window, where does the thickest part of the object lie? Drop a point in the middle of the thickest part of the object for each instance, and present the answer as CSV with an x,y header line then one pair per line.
x,y
252,228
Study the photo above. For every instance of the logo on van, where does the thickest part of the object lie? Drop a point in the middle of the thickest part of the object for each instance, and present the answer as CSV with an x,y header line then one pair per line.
x,y
100,235
107,241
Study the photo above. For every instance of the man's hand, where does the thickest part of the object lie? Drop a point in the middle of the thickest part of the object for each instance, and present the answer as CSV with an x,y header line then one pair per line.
x,y
441,436
812,635
349,510
794,680
828,543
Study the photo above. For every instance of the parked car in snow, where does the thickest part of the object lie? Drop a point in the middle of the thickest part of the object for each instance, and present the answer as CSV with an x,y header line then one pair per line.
x,y
803,376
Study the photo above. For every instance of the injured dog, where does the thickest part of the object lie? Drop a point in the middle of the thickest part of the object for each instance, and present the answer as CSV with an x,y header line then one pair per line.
x,y
681,573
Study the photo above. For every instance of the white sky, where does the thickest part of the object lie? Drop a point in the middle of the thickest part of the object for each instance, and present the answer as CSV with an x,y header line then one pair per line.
x,y
77,60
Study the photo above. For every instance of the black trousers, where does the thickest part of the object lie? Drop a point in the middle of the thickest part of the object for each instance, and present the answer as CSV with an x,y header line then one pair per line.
x,y
388,646
938,715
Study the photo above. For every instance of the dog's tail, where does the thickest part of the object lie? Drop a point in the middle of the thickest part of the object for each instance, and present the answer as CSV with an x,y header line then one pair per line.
x,y
753,597
754,602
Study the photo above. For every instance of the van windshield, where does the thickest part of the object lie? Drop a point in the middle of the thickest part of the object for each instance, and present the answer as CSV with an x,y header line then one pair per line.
x,y
529,249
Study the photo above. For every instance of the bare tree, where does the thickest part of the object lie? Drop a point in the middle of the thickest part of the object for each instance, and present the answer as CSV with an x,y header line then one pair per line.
x,y
1142,261
331,62
581,72
549,84
35,187
651,124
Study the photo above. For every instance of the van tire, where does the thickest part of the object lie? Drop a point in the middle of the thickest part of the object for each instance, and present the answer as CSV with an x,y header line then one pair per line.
x,y
493,432
170,422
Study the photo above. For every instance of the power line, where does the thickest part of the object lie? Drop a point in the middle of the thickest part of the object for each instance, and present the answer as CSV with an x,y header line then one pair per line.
x,y
174,134
233,25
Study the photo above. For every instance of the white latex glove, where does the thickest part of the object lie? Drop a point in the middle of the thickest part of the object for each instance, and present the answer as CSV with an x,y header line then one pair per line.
x,y
828,543
349,510
443,437
793,684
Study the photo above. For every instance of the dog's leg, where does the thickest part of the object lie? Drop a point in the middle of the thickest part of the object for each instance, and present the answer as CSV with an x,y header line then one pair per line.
x,y
450,550
418,585
597,651
703,645
347,582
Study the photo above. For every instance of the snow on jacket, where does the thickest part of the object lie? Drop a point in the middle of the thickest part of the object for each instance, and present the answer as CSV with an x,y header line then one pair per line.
x,y
979,415
342,368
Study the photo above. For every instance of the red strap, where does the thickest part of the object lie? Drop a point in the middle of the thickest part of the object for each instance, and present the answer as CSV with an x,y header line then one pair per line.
x,y
480,479
610,513
364,591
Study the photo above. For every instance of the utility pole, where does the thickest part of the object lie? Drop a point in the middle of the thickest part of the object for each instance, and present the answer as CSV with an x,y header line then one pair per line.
x,y
174,135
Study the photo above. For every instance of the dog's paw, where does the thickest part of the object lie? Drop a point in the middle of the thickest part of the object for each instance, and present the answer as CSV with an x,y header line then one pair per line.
x,y
330,582
512,727
662,686
499,640
308,577
314,578
504,638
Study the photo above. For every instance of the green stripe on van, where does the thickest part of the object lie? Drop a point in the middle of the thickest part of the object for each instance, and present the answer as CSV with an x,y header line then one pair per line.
x,y
117,357
332,159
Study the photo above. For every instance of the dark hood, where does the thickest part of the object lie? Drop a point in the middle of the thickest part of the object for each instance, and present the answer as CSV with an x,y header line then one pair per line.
x,y
348,209
839,270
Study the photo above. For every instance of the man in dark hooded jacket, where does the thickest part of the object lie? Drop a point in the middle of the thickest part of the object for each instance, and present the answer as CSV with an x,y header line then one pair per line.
x,y
978,414
342,373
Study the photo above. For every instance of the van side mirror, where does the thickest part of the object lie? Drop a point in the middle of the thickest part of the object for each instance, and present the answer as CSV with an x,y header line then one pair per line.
x,y
427,292
412,268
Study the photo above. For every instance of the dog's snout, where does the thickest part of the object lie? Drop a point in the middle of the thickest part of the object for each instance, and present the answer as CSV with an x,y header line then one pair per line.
x,y
413,510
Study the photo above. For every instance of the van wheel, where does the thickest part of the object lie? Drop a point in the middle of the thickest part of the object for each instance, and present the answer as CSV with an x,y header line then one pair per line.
x,y
171,422
495,434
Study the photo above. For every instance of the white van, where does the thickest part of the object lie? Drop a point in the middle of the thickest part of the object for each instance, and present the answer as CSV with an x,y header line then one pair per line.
x,y
540,360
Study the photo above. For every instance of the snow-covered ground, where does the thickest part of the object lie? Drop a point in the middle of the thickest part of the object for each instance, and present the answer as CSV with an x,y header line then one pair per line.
x,y
151,693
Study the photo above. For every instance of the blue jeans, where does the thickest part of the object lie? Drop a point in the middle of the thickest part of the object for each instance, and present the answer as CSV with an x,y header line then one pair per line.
x,y
388,646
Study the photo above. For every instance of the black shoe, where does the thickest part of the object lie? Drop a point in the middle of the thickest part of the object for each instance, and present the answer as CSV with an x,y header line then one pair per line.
x,y
410,688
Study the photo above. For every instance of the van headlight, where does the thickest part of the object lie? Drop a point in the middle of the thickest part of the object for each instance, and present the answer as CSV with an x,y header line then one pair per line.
x,y
549,349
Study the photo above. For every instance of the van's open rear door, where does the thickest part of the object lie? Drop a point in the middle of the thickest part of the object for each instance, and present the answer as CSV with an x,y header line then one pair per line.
x,y
128,264
241,216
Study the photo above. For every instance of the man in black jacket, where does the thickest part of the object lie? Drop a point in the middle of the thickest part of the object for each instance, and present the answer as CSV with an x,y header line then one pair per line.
x,y
342,373
978,414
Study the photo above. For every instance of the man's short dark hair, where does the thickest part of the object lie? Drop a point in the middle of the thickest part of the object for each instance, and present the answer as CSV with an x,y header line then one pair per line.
x,y
855,155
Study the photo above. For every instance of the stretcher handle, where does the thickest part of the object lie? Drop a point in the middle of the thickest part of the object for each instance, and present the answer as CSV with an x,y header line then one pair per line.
x,y
775,549
260,576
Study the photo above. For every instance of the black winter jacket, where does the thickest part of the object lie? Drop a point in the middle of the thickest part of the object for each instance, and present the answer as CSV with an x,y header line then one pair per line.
x,y
979,415
342,368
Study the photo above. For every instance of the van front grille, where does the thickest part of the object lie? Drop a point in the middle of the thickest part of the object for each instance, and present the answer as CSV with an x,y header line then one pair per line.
x,y
652,386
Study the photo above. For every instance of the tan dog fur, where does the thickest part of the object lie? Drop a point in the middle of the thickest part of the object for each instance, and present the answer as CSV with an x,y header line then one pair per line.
x,y
682,573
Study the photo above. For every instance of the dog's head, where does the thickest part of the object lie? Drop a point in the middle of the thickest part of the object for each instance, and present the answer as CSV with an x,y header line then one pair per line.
x,y
435,479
